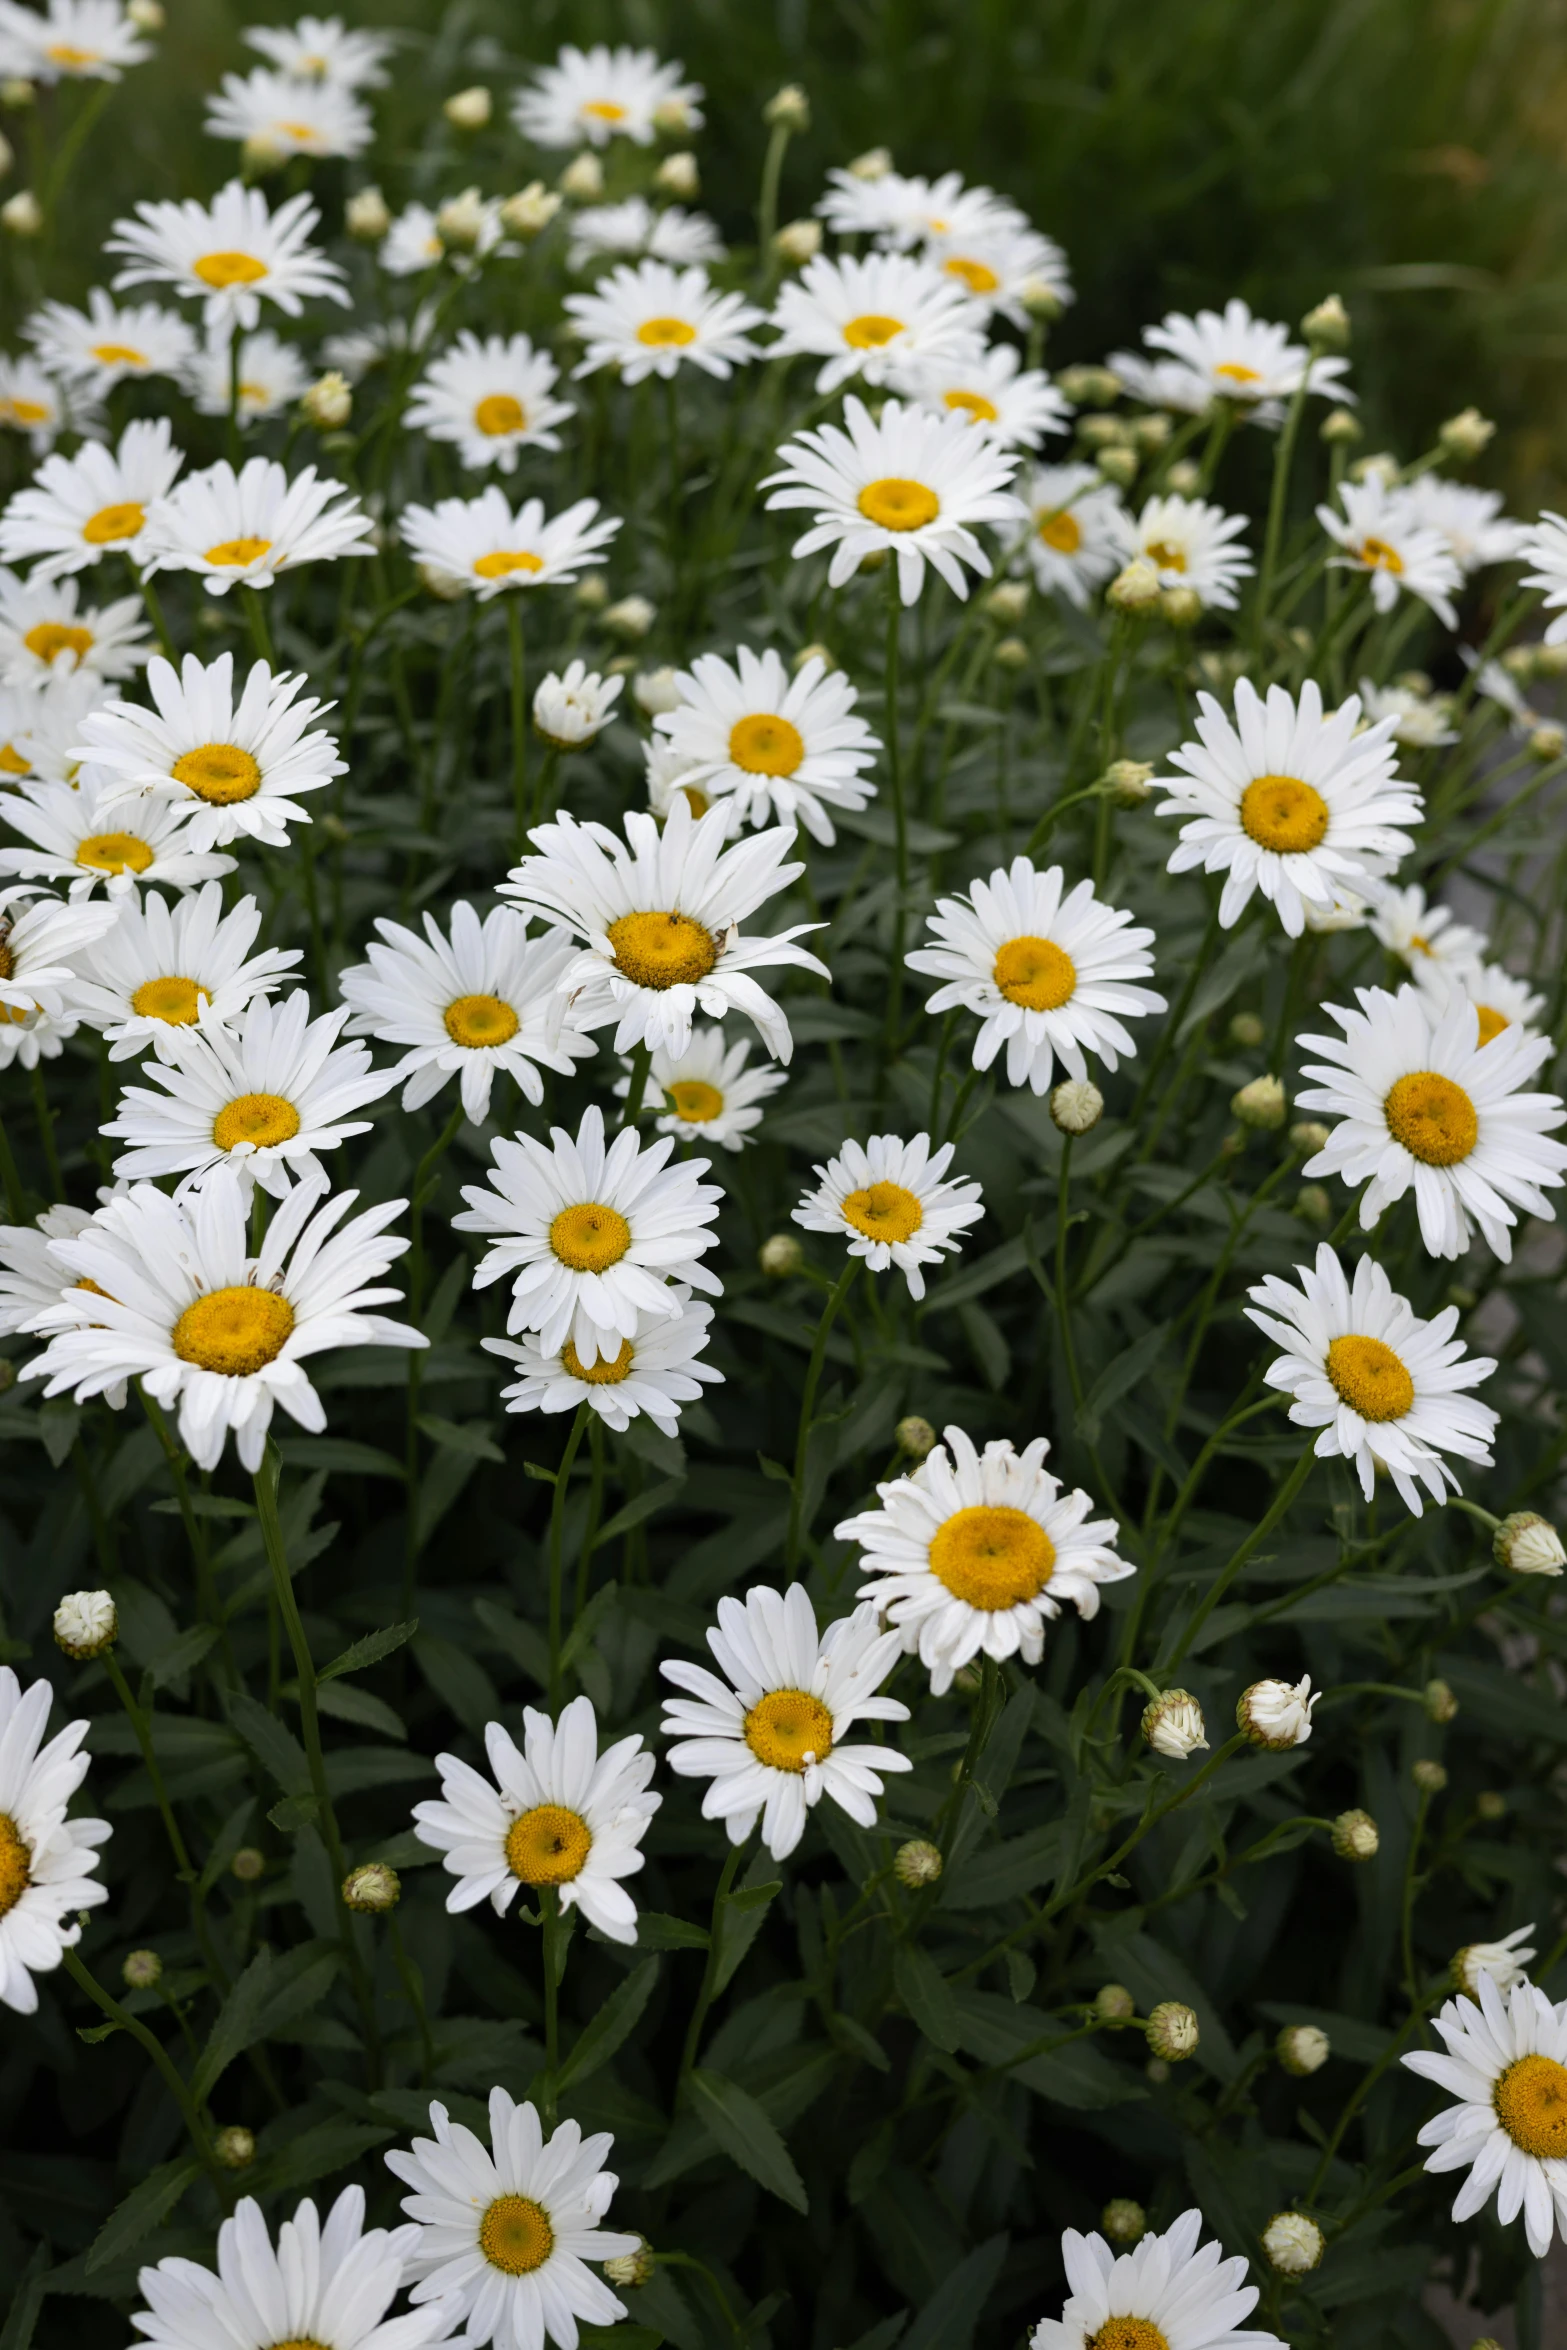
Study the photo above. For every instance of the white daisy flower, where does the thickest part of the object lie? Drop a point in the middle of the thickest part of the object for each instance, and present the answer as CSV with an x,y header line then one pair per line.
x,y
1381,538
46,1859
1545,546
79,509
1501,1000
559,1814
375,345
1423,1105
482,544
1286,800
668,778
230,255
1506,1962
70,40
109,343
324,49
162,967
1428,939
43,1038
905,483
1245,359
480,1002
901,211
274,116
1052,973
976,1552
864,318
86,833
1506,2066
1471,520
659,916
31,1283
1420,721
243,527
776,747
572,709
1075,529
43,944
238,766
1496,683
591,1237
1000,268
709,1093
42,406
650,319
413,243
45,638
1168,383
180,1304
657,1371
1010,404
1190,544
489,400
272,374
1170,2292
265,1097
891,1204
595,95
1381,1384
633,228
39,725
330,2282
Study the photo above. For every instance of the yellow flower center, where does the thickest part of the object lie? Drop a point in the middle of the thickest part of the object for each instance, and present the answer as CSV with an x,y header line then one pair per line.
x,y
604,110
991,1557
221,270
515,2234
608,1371
788,1728
695,798
548,1845
1492,1022
973,405
1061,530
114,852
1129,2333
219,773
304,132
873,332
1280,812
1165,555
506,560
499,413
766,745
15,1864
300,2342
1419,945
884,1211
590,1237
256,395
662,950
477,1020
119,355
50,638
28,411
1237,372
1432,1117
234,554
1377,555
1531,2105
178,1001
12,761
7,961
665,334
1370,1378
895,504
693,1099
113,522
976,275
70,59
261,1119
1036,973
235,1332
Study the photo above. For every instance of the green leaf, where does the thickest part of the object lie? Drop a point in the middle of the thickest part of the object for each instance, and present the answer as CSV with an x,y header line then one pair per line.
x,y
466,1436
275,1748
341,1456
1003,1871
949,2317
459,1681
640,1509
613,2023
185,1654
656,1931
740,1920
270,1993
1117,1378
57,1425
27,2301
521,1641
358,1706
746,2135
315,2154
927,1995
146,2207
370,1650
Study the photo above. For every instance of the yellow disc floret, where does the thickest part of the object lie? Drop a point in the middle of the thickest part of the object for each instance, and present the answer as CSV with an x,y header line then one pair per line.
x,y
478,1020
548,1845
766,745
507,561
590,1238
176,1000
221,270
1281,812
219,773
234,554
1370,1378
1433,1118
788,1728
119,355
16,1858
694,1100
884,1211
896,504
973,405
872,332
499,413
992,1557
666,334
50,638
978,276
112,523
1035,973
235,1332
1531,2104
1492,1022
261,1119
1377,555
1061,531
606,1371
1128,2333
662,950
515,2234
114,852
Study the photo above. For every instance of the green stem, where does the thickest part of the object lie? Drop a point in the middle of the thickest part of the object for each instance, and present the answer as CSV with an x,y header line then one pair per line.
x,y
15,1196
557,1543
206,1590
153,602
422,1184
1227,1574
899,811
767,202
705,1997
260,634
636,1085
797,1527
412,1981
86,1981
1283,459
518,664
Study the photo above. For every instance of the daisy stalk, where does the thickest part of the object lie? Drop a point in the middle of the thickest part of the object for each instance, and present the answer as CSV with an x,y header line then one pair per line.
x,y
798,1528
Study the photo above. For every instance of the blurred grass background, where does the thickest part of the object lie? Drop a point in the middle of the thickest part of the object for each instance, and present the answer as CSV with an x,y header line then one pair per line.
x,y
1410,154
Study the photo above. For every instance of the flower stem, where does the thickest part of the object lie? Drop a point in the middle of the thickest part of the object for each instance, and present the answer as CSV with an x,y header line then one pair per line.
x,y
422,1184
705,1997
798,1526
557,1545
1227,1573
518,657
86,1981
641,1061
899,811
767,201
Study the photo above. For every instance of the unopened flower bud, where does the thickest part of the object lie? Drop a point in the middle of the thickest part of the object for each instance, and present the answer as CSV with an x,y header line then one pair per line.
x,y
1310,1135
142,1970
1504,1963
1246,1029
968,1681
1440,1703
874,164
1380,466
678,176
145,15
1128,782
1124,2221
1119,465
1275,1714
1076,1106
630,619
1343,426
367,216
1485,2342
1314,1205
798,242
590,594
1293,2243
812,653
445,586
1010,652
915,1436
262,152
1172,2031
85,1623
1491,1804
655,691
1114,2004
1355,1836
328,402
1104,432
247,1864
1184,477
1528,1544
530,211
1302,2049
780,1256
583,179
1151,432
1173,1725
372,1888
1463,436
16,91
1261,1103
572,710
1326,328
1041,300
22,214
1181,606
235,2147
1547,741
468,110
1549,660
917,1863
630,2269
1428,1776
788,109
672,116
460,220
1136,589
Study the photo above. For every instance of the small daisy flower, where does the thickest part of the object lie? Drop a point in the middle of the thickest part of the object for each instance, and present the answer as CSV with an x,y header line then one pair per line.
x,y
85,834
109,342
42,947
480,1002
1506,1962
230,255
668,778
45,638
652,319
274,116
1076,529
80,509
1382,539
1170,2292
39,725
709,1093
588,97
1190,544
769,1736
272,374
976,1552
1380,1383
865,318
591,1237
161,968
180,1303
31,1283
657,1371
1501,1000
324,49
1422,1105
71,40
1011,405
900,211
1166,383
999,268
239,767
1286,800
243,527
571,710
889,1201
480,543
43,406
632,229
1245,359
490,400
906,483
1428,939
44,1038
1545,546
559,1814
413,243
265,1096
775,747
1051,972
1505,2065
47,1860
1471,520
1420,721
